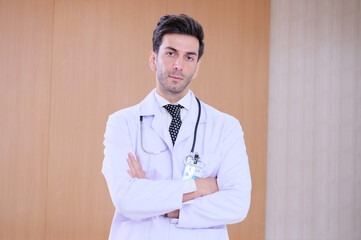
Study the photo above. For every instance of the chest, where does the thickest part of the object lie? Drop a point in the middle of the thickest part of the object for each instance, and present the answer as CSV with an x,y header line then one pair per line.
x,y
161,160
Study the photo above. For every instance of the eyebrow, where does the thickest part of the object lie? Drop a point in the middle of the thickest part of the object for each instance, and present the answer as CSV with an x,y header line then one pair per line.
x,y
188,53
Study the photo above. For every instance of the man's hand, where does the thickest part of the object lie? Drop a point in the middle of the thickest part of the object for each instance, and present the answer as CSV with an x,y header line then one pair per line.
x,y
135,170
205,186
174,214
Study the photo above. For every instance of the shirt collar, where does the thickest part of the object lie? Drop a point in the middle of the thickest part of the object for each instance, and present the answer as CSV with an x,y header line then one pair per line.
x,y
185,101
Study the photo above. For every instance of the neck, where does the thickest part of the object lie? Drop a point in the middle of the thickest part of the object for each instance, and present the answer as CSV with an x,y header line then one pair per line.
x,y
172,97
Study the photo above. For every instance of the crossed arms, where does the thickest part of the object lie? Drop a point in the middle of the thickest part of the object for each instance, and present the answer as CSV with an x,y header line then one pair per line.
x,y
205,186
220,201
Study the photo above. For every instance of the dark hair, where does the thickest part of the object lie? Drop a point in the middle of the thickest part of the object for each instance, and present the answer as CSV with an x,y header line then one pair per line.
x,y
181,24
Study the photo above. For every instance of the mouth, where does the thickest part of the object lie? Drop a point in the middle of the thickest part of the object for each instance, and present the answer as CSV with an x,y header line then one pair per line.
x,y
176,77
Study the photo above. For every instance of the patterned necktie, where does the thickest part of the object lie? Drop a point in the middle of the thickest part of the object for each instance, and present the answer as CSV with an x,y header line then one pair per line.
x,y
176,122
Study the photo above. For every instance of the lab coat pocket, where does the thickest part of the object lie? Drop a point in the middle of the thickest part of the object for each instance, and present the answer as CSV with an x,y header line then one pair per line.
x,y
211,165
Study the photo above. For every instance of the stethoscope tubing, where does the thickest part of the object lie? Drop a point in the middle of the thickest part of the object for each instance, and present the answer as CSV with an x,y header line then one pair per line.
x,y
194,137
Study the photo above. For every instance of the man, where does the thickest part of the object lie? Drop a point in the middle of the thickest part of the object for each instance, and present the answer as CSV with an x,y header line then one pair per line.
x,y
176,168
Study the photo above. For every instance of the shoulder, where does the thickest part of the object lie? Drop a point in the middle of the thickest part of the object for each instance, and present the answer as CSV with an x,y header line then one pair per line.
x,y
126,114
214,115
133,112
222,124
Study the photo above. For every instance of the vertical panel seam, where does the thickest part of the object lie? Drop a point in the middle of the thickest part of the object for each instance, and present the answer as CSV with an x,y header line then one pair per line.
x,y
49,125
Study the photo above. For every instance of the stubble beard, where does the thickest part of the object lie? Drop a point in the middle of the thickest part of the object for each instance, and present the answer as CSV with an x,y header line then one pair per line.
x,y
167,83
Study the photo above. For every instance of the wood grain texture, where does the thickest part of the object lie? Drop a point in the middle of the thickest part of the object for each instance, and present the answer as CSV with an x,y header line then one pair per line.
x,y
66,65
25,77
233,78
100,65
314,168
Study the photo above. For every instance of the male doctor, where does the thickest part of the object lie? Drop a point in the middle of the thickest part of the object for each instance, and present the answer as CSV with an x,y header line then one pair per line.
x,y
176,168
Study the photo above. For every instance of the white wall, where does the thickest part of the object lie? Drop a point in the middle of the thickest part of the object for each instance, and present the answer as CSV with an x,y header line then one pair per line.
x,y
314,138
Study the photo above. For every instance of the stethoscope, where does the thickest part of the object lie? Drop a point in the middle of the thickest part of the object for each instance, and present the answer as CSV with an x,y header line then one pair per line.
x,y
192,155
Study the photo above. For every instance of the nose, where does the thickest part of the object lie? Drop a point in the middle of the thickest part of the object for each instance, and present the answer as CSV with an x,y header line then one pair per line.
x,y
178,64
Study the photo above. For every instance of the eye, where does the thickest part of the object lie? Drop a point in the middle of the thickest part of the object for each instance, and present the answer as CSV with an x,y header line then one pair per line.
x,y
189,58
170,53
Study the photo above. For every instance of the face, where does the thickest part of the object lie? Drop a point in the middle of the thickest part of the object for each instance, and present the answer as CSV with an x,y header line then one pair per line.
x,y
176,64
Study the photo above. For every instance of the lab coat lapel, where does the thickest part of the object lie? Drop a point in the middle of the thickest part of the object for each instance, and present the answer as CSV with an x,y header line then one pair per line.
x,y
149,107
163,132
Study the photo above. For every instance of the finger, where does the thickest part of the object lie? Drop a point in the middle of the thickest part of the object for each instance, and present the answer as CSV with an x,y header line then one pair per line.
x,y
131,168
137,167
140,167
174,214
130,173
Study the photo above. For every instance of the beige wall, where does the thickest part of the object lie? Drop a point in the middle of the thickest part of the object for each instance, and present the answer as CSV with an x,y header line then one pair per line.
x,y
25,74
66,65
314,151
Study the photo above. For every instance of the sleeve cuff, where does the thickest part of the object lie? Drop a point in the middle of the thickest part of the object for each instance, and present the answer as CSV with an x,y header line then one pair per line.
x,y
189,186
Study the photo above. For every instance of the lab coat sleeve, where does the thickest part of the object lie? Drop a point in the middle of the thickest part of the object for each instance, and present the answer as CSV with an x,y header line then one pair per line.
x,y
231,203
134,198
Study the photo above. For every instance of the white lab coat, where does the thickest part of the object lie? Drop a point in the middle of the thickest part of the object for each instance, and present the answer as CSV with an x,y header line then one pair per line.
x,y
140,204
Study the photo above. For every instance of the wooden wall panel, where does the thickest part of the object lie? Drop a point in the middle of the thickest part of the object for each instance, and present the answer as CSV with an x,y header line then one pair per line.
x,y
66,65
25,76
314,157
233,77
100,65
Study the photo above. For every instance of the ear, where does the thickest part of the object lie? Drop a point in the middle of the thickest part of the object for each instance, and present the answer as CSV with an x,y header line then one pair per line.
x,y
152,58
197,69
